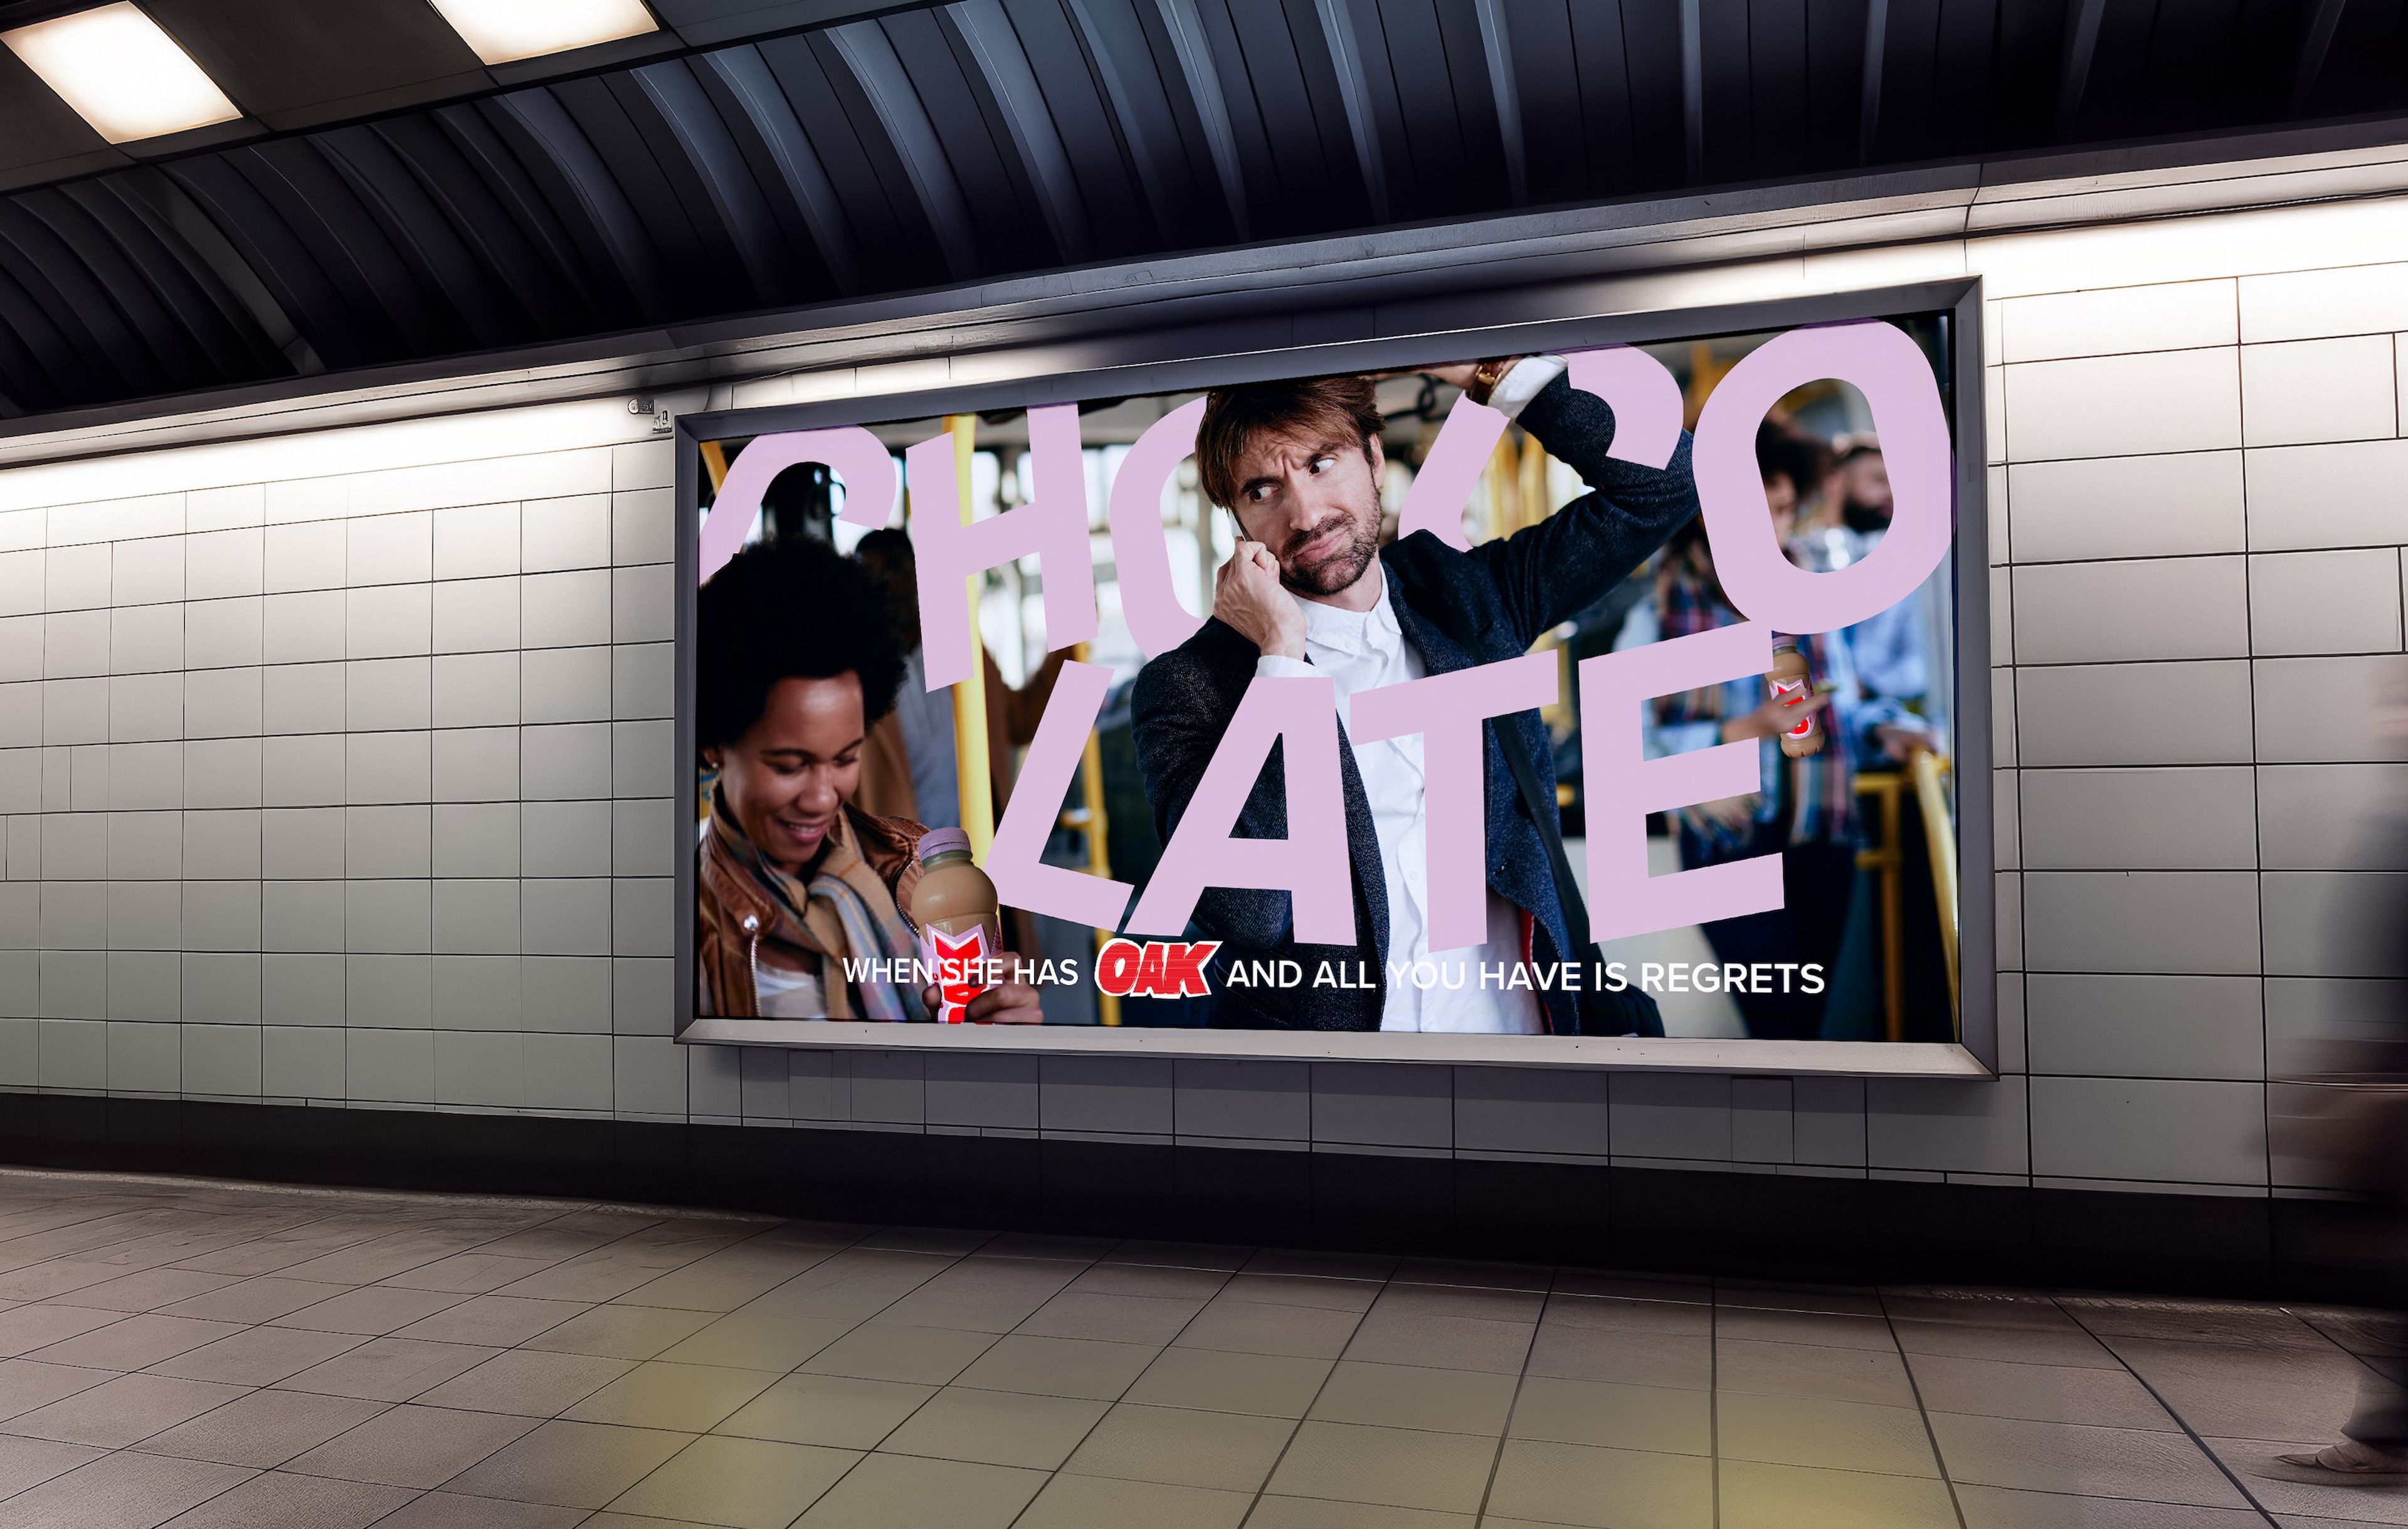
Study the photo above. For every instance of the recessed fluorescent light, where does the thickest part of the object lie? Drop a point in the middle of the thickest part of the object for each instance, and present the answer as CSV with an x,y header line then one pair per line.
x,y
121,73
506,30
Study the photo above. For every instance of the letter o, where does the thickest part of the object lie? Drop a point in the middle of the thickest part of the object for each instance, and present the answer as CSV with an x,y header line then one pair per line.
x,y
1896,379
1116,967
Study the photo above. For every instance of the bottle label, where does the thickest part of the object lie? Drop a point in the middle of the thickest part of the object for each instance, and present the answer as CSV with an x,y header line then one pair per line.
x,y
960,964
1794,693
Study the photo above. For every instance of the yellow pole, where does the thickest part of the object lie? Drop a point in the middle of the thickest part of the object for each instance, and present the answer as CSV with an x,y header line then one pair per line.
x,y
971,773
714,463
1534,507
1504,476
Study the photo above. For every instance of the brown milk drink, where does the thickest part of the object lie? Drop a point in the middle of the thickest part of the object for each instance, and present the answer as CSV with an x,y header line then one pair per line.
x,y
961,925
1793,686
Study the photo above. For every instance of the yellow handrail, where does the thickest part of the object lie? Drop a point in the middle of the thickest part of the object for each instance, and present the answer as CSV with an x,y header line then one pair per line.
x,y
1889,857
1939,838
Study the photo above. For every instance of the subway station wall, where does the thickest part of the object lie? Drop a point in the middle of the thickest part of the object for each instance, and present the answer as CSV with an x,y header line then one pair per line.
x,y
336,769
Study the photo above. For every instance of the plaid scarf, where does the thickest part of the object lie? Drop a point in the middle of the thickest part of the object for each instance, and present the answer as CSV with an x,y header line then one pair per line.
x,y
844,908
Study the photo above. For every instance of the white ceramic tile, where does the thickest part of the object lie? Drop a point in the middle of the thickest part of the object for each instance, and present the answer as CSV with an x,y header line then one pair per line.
x,y
146,638
643,996
222,988
2307,305
76,578
643,464
2165,819
642,916
2124,405
565,684
388,622
387,917
642,680
2170,317
147,571
2313,711
395,1066
227,772
220,1059
2345,601
309,555
301,1062
387,767
475,690
476,839
643,526
145,846
474,992
476,918
390,549
303,989
2333,923
2330,818
21,582
220,508
642,758
568,1072
227,915
558,534
564,610
564,838
2115,612
387,842
143,986
2124,1026
75,642
648,1075
74,1055
301,843
21,648
75,846
385,695
476,615
566,994
220,563
2185,1131
2128,507
222,703
2173,921
2313,389
559,762
222,846
301,698
489,1070
1945,1125
564,917
300,629
220,633
2134,714
146,708
479,542
74,711
643,837
1827,1121
476,764
1670,1114
642,604
301,916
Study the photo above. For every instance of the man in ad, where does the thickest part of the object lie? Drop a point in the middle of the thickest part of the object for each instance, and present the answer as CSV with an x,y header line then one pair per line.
x,y
1309,592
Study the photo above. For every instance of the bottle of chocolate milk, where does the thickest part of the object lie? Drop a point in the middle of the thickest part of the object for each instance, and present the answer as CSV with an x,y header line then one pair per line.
x,y
961,926
1792,685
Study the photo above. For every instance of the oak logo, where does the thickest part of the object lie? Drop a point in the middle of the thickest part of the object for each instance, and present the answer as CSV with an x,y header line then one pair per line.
x,y
1156,969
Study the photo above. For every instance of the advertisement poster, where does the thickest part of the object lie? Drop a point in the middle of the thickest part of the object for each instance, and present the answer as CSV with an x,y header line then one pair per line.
x,y
1605,691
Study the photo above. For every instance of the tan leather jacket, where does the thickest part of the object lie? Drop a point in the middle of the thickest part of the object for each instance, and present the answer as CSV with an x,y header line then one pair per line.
x,y
738,926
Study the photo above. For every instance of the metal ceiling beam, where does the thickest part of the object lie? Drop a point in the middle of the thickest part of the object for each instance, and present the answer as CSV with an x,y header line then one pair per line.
x,y
1353,91
1876,57
866,52
1497,43
1692,89
1194,52
1146,155
1005,65
2316,46
744,74
2081,49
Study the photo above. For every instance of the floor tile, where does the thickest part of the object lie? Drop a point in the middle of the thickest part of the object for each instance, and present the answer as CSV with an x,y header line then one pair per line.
x,y
25,1329
1081,1368
413,1446
1213,1381
1318,1513
1664,1420
1797,1369
1756,1495
278,1501
388,1369
758,1340
149,1289
985,1294
122,1411
1994,1388
2276,1486
1635,1358
1092,1502
1124,1319
746,1483
1149,1279
1960,1340
122,1491
1395,1467
134,1343
1314,1262
1602,1489
1448,1343
1836,1436
928,1356
1262,1327
258,1356
1279,1290
1819,1329
907,1492
263,1428
471,1274
1226,1450
1978,1308
832,1409
497,1322
523,1380
1480,1302
1629,1316
2230,1392
688,1398
995,1428
448,1510
571,1464
371,1311
26,1384
621,1331
30,1462
1999,1508
1408,1396
2081,1460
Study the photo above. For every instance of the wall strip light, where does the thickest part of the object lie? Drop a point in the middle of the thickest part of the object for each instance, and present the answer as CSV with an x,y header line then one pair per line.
x,y
506,30
123,75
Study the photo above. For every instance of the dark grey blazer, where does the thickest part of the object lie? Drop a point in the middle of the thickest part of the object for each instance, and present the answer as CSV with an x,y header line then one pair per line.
x,y
1499,597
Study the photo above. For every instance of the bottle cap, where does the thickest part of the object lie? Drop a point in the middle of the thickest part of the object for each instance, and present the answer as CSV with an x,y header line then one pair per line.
x,y
942,842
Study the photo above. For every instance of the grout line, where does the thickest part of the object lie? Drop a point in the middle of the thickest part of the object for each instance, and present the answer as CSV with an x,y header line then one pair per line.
x,y
1930,1434
1386,1280
2180,1422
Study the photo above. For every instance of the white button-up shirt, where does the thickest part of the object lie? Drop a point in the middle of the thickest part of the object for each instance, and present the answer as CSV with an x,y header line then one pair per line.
x,y
1362,650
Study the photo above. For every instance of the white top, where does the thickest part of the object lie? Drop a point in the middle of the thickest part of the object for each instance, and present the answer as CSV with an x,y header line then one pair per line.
x,y
927,719
1362,651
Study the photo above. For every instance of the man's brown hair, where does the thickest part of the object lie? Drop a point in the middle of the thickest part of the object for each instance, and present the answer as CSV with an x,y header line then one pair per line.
x,y
1317,408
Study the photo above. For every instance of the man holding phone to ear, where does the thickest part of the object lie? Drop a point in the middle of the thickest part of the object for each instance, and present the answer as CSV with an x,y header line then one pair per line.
x,y
1309,591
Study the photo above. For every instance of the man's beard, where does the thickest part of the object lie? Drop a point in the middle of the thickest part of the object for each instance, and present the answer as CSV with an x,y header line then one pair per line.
x,y
1338,569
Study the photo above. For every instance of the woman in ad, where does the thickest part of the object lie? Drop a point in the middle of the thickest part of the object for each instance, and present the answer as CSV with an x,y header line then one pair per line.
x,y
793,880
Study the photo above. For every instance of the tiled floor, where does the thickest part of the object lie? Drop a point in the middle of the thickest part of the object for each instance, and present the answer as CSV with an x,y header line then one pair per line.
x,y
257,1358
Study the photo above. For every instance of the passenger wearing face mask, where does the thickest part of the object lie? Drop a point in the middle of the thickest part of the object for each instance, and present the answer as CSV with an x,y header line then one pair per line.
x,y
796,659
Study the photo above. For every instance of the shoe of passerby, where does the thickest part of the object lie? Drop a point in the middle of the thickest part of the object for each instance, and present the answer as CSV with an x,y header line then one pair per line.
x,y
2351,1459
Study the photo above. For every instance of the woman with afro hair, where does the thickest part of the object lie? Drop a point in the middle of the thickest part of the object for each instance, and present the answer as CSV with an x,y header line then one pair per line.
x,y
797,659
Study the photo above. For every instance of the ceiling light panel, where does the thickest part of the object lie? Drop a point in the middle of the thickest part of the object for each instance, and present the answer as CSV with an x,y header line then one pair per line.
x,y
506,30
121,73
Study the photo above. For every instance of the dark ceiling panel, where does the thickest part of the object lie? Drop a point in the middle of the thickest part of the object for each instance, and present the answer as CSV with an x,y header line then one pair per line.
x,y
296,64
883,147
